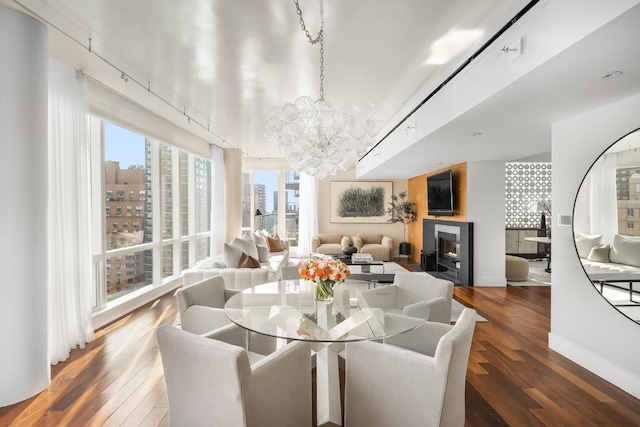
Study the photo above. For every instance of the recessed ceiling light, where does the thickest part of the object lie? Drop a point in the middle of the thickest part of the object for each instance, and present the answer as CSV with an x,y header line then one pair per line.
x,y
609,74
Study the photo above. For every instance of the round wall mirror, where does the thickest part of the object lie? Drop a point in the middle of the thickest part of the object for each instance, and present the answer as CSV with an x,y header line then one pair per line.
x,y
606,225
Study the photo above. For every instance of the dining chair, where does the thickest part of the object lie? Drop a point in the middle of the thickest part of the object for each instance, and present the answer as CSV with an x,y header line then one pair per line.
x,y
414,294
201,305
412,379
201,308
211,382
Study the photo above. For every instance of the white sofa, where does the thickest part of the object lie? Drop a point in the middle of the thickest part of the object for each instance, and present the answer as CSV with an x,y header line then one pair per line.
x,y
270,270
622,255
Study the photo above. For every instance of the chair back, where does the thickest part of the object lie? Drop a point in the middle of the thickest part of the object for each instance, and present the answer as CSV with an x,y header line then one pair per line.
x,y
208,292
205,379
452,355
329,237
425,286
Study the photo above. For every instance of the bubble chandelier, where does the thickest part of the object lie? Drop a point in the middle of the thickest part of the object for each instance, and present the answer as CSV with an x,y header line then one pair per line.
x,y
315,137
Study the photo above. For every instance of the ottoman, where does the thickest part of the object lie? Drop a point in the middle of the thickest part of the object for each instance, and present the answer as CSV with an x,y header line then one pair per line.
x,y
517,269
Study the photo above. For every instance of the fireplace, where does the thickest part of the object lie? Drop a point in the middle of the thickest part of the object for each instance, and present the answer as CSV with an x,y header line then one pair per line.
x,y
449,244
448,248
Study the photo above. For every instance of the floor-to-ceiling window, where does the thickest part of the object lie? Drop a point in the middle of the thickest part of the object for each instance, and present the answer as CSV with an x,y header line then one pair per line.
x,y
270,201
155,212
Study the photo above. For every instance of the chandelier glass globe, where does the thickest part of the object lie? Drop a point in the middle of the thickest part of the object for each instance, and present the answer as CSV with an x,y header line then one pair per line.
x,y
317,138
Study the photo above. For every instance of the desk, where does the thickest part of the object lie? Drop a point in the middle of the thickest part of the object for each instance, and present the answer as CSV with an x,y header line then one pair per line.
x,y
288,310
546,241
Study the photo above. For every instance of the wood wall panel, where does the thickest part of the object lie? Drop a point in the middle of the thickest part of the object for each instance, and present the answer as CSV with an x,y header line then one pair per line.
x,y
417,191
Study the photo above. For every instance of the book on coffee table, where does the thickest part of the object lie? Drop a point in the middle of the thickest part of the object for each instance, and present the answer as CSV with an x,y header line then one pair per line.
x,y
362,258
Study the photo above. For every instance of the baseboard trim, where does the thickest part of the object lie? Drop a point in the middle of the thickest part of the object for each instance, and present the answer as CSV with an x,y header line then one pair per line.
x,y
627,381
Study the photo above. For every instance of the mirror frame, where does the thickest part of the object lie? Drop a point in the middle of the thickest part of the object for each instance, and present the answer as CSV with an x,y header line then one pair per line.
x,y
573,231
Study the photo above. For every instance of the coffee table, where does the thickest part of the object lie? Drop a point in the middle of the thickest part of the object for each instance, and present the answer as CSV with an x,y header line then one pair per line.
x,y
366,266
374,277
605,278
288,310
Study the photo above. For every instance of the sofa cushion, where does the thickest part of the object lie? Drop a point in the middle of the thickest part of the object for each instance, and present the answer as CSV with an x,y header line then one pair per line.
x,y
585,242
330,237
246,245
217,262
275,244
260,239
625,250
370,238
263,253
231,256
599,253
248,262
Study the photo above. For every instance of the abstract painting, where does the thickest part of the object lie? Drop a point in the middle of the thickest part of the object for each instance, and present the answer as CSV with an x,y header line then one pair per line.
x,y
360,201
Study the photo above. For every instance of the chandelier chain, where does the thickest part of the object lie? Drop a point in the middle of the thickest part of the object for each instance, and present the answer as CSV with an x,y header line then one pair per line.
x,y
318,39
315,137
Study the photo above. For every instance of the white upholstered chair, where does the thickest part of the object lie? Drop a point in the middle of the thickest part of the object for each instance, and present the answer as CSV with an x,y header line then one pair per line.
x,y
416,295
413,379
201,305
214,383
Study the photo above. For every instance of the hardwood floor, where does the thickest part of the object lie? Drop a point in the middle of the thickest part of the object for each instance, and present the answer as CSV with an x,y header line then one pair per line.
x,y
513,378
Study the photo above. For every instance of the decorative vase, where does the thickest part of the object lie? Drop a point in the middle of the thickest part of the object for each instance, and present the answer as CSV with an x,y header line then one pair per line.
x,y
324,290
349,250
405,248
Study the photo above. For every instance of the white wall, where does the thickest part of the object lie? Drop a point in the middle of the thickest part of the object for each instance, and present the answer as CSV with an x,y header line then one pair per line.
x,y
584,327
324,211
485,208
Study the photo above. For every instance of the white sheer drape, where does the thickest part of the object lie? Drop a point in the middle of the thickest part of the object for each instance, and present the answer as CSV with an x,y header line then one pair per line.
x,y
308,220
596,206
69,242
217,200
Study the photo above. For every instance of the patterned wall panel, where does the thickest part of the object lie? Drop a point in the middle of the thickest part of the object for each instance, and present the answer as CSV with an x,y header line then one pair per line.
x,y
526,185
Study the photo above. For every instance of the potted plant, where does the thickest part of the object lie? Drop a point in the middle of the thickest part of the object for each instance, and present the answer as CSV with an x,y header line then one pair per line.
x,y
402,210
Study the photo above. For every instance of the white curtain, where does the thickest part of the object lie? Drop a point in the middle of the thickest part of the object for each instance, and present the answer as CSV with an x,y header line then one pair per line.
x,y
69,243
308,220
217,200
596,206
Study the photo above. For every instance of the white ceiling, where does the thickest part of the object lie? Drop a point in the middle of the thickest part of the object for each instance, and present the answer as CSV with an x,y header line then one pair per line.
x,y
225,63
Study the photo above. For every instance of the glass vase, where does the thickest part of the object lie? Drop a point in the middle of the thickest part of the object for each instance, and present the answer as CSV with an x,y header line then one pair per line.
x,y
324,290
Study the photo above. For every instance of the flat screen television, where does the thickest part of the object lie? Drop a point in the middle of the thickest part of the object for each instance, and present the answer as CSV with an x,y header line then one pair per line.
x,y
440,188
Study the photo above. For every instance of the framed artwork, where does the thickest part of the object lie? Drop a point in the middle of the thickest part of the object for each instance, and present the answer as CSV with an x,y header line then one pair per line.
x,y
360,201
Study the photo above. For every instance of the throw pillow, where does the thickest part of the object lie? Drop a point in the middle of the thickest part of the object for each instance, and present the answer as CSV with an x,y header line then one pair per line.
x,y
625,250
231,256
246,245
259,239
585,242
275,244
248,262
599,253
263,253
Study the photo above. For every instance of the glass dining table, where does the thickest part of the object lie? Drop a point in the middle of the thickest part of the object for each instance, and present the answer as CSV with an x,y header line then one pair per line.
x,y
288,310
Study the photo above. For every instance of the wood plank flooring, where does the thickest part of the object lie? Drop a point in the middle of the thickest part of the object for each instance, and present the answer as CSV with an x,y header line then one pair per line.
x,y
513,378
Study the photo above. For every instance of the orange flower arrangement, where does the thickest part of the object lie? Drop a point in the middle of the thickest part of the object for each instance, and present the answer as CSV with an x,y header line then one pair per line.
x,y
325,272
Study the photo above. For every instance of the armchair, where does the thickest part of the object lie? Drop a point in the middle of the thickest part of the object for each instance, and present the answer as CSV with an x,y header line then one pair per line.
x,y
428,365
415,295
381,247
329,243
201,308
201,305
211,382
